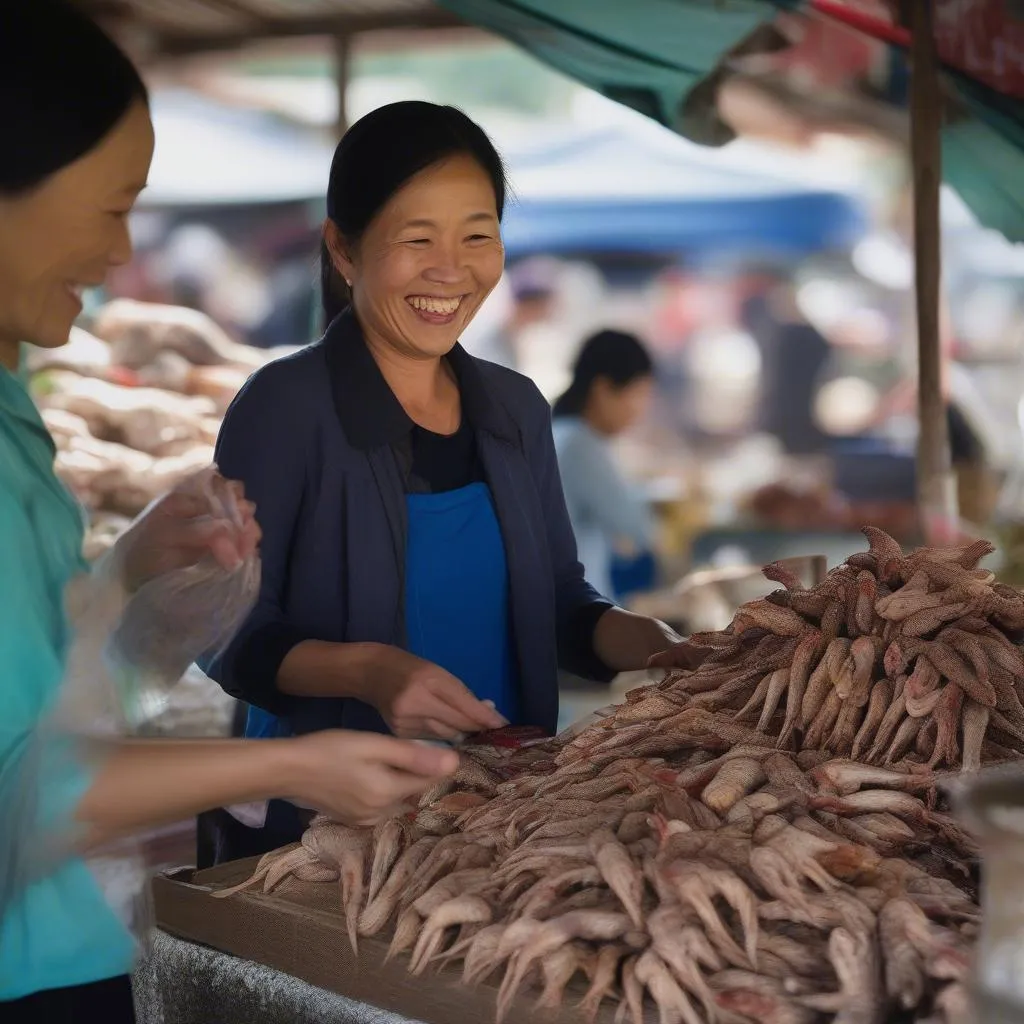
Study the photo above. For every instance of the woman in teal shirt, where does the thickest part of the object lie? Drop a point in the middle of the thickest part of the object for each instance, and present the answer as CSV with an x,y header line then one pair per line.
x,y
77,148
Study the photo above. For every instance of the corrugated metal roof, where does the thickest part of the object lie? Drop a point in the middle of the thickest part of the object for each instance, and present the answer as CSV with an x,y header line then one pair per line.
x,y
183,25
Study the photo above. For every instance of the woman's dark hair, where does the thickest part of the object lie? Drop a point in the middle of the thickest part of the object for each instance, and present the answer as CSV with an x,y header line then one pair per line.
x,y
64,84
378,155
615,356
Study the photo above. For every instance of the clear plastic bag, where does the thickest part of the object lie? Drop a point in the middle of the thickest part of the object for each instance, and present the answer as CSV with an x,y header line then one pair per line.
x,y
126,653
176,617
129,652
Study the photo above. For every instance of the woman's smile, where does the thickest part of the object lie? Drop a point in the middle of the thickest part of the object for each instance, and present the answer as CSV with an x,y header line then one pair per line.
x,y
435,309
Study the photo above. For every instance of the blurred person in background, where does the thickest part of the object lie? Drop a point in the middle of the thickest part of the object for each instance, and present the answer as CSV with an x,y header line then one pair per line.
x,y
193,258
204,271
794,355
420,574
678,309
74,115
973,434
532,283
611,390
291,296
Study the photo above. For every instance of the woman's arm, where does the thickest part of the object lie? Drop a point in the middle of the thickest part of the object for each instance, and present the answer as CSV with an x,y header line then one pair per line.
x,y
626,642
416,698
352,777
317,668
133,787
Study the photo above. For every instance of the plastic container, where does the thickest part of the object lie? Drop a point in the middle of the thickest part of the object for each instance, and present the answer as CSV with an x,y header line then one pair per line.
x,y
991,804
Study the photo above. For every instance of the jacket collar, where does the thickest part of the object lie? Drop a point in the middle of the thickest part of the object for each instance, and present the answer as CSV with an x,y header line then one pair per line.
x,y
370,414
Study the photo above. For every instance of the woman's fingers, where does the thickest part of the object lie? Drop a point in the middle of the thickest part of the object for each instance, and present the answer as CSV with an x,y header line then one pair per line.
x,y
214,535
422,705
473,715
426,762
360,777
183,505
435,729
432,719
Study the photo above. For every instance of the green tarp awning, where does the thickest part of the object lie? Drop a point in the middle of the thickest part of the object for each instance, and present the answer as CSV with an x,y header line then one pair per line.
x,y
652,54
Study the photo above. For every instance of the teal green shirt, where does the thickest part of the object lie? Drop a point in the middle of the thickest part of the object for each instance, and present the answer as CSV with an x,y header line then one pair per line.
x,y
60,931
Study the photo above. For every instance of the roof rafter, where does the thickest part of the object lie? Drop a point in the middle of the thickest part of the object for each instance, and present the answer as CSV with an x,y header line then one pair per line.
x,y
179,44
241,8
257,26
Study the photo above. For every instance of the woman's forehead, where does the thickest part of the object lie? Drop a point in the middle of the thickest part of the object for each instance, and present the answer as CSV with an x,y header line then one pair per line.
x,y
121,161
458,183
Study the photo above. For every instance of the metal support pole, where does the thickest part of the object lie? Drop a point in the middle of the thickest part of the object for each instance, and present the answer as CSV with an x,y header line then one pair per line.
x,y
936,486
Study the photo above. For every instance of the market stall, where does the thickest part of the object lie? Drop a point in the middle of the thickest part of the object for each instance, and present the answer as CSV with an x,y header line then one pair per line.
x,y
766,834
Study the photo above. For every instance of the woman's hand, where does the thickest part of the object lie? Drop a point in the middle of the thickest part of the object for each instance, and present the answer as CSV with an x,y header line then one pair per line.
x,y
359,778
627,642
419,699
679,655
178,530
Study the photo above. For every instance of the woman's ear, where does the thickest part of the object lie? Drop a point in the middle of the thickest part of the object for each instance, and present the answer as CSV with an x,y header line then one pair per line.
x,y
339,249
601,389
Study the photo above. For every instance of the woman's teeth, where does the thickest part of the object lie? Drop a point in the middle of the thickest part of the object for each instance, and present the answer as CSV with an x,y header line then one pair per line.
x,y
442,307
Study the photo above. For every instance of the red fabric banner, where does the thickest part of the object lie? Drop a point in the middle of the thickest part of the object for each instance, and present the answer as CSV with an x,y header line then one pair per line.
x,y
984,39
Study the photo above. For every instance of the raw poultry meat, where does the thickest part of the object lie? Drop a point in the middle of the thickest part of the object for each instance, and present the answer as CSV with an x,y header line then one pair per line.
x,y
136,408
711,845
145,419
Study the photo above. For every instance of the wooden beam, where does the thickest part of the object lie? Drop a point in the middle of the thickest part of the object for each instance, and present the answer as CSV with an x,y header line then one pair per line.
x,y
174,44
936,489
241,9
342,75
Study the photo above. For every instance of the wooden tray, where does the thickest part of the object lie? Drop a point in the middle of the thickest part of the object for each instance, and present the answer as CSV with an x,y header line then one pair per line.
x,y
299,930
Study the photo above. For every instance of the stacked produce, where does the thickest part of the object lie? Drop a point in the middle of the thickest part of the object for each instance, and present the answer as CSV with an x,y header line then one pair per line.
x,y
785,507
137,407
892,656
713,845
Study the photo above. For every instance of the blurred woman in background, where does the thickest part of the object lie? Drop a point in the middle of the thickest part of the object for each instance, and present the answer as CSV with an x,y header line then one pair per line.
x,y
611,390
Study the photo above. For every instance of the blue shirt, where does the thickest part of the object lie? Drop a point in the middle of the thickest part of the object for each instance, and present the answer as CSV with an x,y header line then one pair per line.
x,y
57,932
457,594
603,507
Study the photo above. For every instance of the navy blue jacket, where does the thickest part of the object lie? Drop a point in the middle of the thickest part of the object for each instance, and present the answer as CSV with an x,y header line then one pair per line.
x,y
317,439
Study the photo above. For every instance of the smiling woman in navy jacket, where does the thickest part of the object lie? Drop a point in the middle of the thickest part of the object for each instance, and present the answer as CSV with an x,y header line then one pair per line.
x,y
419,569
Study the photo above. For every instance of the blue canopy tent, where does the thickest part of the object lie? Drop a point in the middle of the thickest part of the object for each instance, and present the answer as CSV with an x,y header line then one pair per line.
x,y
630,187
211,154
626,189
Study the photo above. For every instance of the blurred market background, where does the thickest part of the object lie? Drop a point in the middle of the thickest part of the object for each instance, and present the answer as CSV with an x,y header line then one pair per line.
x,y
771,278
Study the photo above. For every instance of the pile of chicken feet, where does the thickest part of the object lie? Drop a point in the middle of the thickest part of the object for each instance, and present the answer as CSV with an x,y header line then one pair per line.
x,y
762,836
